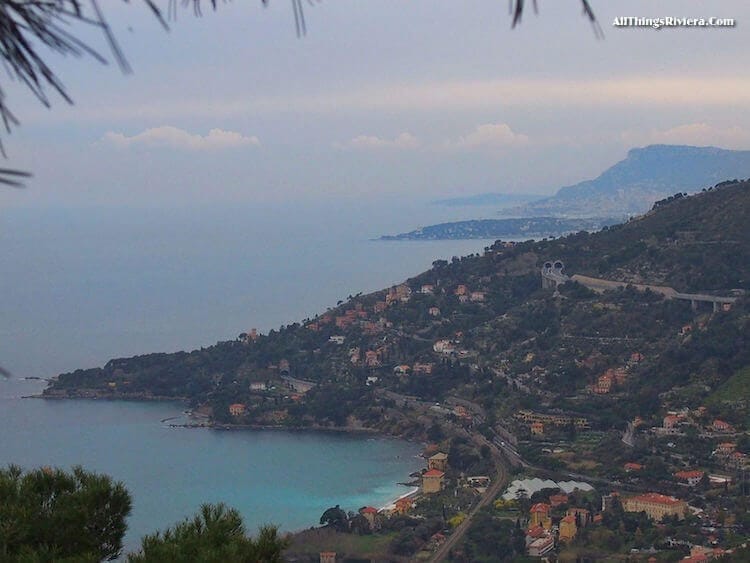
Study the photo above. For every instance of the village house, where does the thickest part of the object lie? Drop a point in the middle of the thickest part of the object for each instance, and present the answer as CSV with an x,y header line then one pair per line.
x,y
539,515
336,339
402,370
557,500
258,386
237,409
721,426
444,347
403,505
427,289
380,306
603,384
692,478
537,428
425,369
327,557
463,299
354,355
438,461
568,528
371,359
636,358
671,421
631,466
433,481
725,448
476,296
461,290
434,311
656,505
370,513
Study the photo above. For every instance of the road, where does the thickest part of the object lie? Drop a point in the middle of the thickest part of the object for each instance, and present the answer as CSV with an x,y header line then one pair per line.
x,y
501,480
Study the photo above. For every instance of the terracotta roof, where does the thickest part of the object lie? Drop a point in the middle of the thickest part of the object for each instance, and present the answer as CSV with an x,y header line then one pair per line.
x,y
433,473
656,498
540,507
689,474
368,510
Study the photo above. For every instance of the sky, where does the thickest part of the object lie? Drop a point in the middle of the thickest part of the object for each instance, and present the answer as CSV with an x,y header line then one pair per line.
x,y
383,99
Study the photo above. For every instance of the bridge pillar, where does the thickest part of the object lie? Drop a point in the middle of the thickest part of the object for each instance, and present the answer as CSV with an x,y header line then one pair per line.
x,y
717,306
693,304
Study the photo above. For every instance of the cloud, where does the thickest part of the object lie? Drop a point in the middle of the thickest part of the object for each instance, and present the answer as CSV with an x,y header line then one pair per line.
x,y
404,141
173,137
700,134
490,135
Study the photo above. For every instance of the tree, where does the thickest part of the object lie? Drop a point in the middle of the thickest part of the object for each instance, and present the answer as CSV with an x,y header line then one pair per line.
x,y
215,535
336,518
50,514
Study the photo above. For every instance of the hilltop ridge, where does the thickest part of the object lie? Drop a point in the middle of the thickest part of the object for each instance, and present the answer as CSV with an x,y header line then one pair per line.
x,y
645,175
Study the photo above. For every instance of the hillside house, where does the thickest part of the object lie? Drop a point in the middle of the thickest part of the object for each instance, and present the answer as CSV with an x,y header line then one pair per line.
x,y
434,311
721,426
403,505
370,514
237,409
336,339
476,297
433,481
424,369
438,461
692,478
557,500
258,386
461,289
539,515
402,370
631,467
427,289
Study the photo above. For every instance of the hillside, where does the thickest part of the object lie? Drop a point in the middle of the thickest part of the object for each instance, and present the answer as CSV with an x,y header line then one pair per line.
x,y
483,328
646,175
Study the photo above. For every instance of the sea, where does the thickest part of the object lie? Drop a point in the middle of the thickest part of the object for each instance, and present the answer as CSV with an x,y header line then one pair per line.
x,y
80,285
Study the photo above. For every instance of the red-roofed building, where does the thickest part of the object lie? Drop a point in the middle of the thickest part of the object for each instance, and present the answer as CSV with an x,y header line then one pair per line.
x,y
403,505
721,426
540,515
370,513
692,478
725,448
656,505
632,466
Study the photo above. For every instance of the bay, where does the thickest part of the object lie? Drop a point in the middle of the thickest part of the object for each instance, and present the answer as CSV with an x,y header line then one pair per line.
x,y
280,477
82,285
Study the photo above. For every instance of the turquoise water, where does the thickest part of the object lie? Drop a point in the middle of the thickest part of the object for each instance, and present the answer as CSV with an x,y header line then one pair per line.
x,y
81,286
286,478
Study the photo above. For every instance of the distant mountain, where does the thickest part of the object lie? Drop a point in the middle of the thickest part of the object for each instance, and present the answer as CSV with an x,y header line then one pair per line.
x,y
519,228
646,175
495,199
